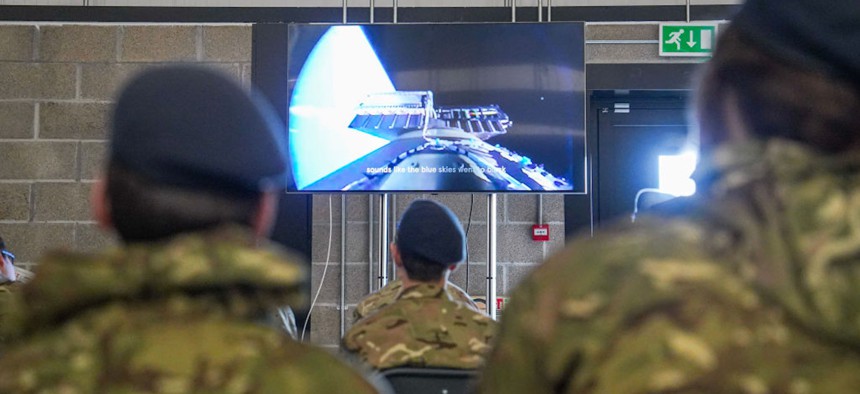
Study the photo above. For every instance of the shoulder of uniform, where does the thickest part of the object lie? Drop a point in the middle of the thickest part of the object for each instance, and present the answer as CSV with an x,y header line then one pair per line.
x,y
377,300
580,281
321,371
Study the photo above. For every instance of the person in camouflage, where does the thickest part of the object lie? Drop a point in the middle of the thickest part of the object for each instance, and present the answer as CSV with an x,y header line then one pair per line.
x,y
194,165
8,281
388,294
11,279
424,326
751,286
8,273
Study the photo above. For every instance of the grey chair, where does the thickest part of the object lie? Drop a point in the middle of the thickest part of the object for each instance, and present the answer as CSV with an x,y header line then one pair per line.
x,y
409,380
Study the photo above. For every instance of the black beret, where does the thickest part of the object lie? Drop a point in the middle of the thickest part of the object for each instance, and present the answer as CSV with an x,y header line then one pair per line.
x,y
818,35
196,128
430,231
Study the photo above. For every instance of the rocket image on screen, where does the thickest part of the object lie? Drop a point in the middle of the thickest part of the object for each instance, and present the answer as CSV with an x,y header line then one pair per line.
x,y
447,148
352,129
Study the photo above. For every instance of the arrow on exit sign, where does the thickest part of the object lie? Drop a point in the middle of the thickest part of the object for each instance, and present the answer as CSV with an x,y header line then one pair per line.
x,y
687,39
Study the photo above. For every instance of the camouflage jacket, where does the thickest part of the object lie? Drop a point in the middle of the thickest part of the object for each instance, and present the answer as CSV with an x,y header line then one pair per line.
x,y
172,317
6,290
755,289
388,294
424,327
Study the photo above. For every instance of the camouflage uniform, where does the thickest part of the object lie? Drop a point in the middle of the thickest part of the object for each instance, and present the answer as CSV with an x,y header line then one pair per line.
x,y
6,291
756,289
388,294
171,317
424,327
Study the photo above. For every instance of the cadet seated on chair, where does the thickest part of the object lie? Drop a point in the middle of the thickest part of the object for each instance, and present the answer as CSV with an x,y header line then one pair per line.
x,y
194,168
388,294
424,326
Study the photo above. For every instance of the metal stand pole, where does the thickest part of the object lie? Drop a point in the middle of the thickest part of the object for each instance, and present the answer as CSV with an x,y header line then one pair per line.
x,y
371,10
383,240
549,10
394,9
688,11
370,278
392,230
513,10
342,304
491,255
540,10
344,10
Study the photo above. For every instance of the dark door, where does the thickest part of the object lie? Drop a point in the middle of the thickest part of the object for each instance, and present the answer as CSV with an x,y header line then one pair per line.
x,y
632,132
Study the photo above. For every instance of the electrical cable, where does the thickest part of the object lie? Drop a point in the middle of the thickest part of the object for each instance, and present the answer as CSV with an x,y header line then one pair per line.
x,y
636,200
325,268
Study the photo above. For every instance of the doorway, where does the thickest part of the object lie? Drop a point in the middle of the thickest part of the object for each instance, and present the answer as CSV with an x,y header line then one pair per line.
x,y
637,133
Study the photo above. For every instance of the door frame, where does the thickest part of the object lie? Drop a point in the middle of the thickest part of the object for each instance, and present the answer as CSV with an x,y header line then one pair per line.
x,y
604,81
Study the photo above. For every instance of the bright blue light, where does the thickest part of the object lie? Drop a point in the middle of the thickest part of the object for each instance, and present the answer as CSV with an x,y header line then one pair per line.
x,y
674,173
340,72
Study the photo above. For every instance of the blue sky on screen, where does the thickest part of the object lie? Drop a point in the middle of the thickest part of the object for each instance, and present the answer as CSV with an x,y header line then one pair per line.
x,y
340,72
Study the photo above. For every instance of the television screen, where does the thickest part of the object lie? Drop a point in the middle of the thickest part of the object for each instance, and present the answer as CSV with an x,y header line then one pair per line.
x,y
491,107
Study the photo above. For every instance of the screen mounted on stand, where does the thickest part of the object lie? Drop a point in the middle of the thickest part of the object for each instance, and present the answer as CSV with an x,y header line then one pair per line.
x,y
492,107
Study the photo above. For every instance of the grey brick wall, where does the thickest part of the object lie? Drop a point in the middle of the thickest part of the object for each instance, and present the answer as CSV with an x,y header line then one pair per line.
x,y
57,83
56,86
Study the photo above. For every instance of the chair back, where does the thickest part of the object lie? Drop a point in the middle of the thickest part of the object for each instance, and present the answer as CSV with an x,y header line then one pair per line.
x,y
410,380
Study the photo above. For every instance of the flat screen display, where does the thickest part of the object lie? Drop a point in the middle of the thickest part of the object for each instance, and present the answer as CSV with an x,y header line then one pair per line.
x,y
490,107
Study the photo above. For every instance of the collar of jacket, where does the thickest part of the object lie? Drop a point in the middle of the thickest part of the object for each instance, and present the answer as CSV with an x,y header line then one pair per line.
x,y
423,290
228,259
733,166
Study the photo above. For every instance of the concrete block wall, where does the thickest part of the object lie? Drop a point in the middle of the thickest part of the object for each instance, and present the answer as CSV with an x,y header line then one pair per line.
x,y
57,83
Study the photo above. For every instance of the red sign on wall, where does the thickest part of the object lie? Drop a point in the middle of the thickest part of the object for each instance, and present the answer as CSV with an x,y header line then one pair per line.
x,y
540,232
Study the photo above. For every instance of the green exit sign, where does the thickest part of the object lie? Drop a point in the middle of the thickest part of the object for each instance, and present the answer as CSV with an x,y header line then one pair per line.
x,y
687,39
